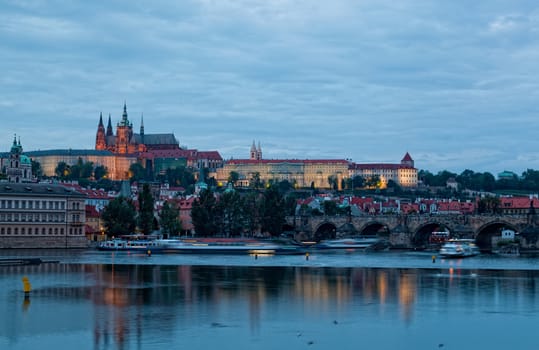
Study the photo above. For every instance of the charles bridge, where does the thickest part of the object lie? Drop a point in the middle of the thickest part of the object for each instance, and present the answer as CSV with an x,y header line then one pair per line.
x,y
413,230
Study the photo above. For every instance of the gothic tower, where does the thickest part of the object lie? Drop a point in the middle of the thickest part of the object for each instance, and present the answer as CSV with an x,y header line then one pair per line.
x,y
100,142
259,152
253,151
124,134
109,128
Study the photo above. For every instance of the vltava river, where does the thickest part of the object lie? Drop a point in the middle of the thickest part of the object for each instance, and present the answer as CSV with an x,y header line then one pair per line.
x,y
98,300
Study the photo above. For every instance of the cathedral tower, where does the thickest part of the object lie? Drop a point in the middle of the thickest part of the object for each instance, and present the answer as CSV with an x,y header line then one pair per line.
x,y
100,141
124,135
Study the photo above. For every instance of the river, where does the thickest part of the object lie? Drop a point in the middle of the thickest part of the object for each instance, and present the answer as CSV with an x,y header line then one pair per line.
x,y
384,300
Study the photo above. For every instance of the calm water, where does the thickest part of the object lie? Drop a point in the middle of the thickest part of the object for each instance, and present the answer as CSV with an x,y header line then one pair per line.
x,y
99,300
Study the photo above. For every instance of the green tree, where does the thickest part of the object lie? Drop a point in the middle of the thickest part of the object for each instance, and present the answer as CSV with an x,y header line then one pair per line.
x,y
252,203
230,206
255,182
373,182
137,172
62,170
100,172
233,177
357,182
37,171
146,215
273,211
488,205
204,214
170,219
119,217
330,208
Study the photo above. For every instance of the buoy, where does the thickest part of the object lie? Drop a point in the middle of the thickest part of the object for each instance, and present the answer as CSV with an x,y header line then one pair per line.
x,y
26,286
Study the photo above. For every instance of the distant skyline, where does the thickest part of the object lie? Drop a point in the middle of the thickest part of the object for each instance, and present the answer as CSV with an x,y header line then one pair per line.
x,y
453,83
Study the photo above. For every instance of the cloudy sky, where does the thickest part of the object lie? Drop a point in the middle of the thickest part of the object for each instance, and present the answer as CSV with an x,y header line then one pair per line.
x,y
455,83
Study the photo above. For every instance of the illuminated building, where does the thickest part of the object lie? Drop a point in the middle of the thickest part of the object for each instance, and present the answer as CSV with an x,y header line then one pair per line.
x,y
302,173
403,174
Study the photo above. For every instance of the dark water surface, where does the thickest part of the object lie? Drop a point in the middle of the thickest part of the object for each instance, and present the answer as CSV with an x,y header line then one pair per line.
x,y
93,300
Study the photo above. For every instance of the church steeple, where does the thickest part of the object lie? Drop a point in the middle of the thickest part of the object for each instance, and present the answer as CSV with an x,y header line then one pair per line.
x,y
110,132
253,151
100,141
142,124
125,121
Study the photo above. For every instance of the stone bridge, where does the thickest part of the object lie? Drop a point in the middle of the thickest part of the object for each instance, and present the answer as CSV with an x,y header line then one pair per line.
x,y
409,231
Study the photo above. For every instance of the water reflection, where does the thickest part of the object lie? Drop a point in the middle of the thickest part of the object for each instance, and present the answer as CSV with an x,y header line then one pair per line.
x,y
144,306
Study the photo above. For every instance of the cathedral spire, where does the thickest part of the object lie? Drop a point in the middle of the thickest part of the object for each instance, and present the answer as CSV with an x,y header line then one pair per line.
x,y
109,128
124,115
100,119
142,124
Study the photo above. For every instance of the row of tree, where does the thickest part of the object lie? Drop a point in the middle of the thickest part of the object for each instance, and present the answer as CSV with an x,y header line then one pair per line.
x,y
121,216
477,181
235,214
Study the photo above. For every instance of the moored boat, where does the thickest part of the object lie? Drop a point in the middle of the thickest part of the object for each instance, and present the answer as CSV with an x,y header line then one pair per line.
x,y
459,248
130,245
347,243
226,246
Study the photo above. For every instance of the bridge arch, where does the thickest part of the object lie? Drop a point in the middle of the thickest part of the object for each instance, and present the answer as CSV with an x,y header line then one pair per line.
x,y
326,230
485,233
374,228
421,236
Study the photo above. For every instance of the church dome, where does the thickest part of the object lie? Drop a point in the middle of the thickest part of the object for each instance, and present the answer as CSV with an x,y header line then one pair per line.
x,y
25,160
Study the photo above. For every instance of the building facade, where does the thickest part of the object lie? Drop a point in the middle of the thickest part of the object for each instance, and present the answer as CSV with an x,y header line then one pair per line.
x,y
404,174
41,216
300,172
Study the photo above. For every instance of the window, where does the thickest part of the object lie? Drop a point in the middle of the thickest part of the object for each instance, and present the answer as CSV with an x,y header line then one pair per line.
x,y
23,204
30,204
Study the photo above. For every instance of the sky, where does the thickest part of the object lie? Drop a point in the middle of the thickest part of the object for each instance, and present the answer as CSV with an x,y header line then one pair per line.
x,y
454,83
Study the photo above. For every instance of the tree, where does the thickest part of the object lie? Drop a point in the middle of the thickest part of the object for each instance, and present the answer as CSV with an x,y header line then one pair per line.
x,y
170,222
273,211
330,208
357,182
204,212
119,217
233,177
37,171
373,182
145,217
100,172
255,182
62,170
488,205
252,210
230,205
137,172
333,182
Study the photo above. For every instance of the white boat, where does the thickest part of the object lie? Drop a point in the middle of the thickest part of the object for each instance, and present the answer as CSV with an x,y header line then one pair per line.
x,y
225,246
347,243
459,248
130,245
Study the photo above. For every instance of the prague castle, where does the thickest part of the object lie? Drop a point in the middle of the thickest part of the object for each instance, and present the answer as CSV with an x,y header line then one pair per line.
x,y
118,151
127,142
314,172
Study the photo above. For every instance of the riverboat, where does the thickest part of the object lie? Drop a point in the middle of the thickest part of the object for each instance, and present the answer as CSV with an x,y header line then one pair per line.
x,y
346,243
226,246
459,248
130,245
